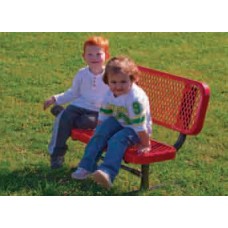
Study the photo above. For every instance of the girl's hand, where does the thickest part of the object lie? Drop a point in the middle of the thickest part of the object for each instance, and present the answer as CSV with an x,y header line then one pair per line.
x,y
49,102
143,149
144,145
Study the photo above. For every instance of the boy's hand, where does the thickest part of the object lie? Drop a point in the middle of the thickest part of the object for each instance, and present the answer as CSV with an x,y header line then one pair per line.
x,y
49,102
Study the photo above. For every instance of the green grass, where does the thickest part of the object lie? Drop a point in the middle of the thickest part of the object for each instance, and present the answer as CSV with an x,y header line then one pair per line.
x,y
34,66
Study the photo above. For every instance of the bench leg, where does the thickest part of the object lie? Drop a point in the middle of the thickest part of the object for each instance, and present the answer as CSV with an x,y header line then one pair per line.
x,y
145,177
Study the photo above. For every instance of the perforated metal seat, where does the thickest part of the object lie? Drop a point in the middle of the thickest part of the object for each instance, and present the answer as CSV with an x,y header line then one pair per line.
x,y
159,151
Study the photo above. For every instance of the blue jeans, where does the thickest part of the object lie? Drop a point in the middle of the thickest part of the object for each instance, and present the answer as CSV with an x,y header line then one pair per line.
x,y
111,135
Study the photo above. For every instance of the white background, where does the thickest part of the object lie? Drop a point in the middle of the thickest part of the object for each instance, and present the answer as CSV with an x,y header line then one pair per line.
x,y
113,15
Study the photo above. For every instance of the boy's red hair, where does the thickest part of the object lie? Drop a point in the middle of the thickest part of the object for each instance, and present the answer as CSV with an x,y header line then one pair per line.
x,y
100,42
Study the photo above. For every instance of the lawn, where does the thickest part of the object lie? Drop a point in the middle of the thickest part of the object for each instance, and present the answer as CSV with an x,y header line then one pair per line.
x,y
34,66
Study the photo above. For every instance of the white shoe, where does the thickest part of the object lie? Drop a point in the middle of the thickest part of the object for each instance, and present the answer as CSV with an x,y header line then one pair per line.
x,y
80,174
102,178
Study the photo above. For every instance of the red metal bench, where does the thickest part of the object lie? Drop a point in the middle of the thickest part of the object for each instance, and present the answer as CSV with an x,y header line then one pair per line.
x,y
177,103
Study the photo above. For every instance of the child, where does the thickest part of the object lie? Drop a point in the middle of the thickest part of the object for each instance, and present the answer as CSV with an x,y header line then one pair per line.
x,y
124,120
85,95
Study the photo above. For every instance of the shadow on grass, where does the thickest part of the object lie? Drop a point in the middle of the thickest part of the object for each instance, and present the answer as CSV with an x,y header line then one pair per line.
x,y
42,181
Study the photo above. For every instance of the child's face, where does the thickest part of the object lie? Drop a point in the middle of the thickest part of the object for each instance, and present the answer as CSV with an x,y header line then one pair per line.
x,y
119,83
95,58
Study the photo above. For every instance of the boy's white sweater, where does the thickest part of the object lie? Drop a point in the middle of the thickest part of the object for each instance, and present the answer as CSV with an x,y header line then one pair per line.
x,y
87,91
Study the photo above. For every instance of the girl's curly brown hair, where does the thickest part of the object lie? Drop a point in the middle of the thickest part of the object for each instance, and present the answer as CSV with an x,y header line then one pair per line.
x,y
121,64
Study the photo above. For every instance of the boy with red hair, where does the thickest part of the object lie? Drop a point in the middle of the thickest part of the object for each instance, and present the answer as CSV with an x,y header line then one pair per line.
x,y
85,95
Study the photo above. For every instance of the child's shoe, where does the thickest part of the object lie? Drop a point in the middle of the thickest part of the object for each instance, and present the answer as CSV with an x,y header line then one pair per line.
x,y
80,174
57,162
102,178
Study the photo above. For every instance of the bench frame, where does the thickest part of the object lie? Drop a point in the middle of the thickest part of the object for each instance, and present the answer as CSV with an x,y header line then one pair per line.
x,y
177,103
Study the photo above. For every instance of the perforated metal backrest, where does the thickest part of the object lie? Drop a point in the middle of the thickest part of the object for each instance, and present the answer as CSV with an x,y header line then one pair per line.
x,y
176,102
